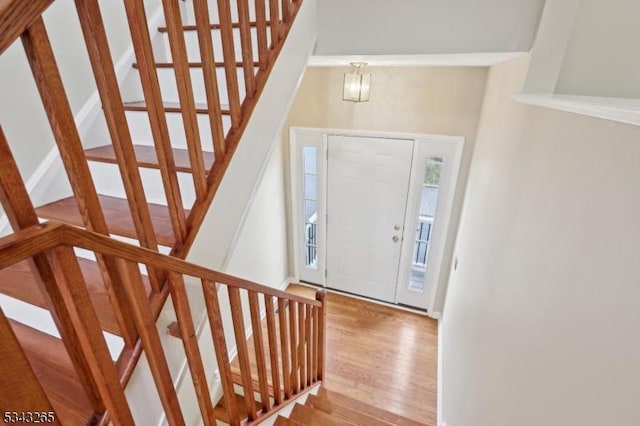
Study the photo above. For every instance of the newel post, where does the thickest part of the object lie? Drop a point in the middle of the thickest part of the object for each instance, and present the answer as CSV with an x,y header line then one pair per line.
x,y
322,333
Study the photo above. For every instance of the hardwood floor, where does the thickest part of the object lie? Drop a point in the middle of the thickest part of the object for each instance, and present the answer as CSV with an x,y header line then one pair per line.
x,y
380,355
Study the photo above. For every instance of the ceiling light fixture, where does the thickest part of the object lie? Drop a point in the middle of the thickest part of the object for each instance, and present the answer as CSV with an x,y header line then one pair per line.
x,y
356,84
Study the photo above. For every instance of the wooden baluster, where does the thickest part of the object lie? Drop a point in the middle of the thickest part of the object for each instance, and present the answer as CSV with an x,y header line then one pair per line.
x,y
151,88
274,22
294,346
322,332
102,65
258,343
191,348
185,94
284,344
247,48
207,57
316,332
47,77
20,389
229,54
273,349
220,349
286,12
301,350
241,344
308,343
93,347
261,33
146,324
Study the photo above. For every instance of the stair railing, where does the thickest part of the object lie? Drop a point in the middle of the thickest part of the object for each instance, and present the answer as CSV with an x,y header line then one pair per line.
x,y
20,19
23,20
283,357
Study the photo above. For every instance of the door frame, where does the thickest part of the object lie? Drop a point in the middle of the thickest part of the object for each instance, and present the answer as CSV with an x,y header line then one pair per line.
x,y
441,225
320,136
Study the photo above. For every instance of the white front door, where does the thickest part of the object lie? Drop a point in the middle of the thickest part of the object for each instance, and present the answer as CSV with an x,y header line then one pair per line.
x,y
368,182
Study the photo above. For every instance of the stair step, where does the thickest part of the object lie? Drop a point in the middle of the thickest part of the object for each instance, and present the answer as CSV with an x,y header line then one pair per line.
x,y
362,407
201,108
163,29
146,156
19,282
195,64
342,412
283,421
117,214
237,379
309,416
52,365
221,414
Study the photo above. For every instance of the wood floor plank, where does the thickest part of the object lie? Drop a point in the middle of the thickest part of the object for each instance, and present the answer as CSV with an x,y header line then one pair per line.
x,y
117,214
147,157
364,339
52,365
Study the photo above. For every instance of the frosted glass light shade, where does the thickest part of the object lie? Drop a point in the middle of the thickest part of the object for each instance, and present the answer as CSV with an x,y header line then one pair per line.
x,y
356,87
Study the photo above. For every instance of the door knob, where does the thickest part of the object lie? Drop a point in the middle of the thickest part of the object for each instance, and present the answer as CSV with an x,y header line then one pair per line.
x,y
395,238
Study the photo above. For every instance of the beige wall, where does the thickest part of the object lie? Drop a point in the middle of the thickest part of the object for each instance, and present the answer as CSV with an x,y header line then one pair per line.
x,y
427,100
542,316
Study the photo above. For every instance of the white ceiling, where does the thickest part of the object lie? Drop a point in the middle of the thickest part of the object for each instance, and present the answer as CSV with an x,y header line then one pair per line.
x,y
426,27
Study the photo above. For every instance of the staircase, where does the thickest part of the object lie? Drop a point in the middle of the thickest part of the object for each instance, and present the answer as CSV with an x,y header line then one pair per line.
x,y
328,408
81,294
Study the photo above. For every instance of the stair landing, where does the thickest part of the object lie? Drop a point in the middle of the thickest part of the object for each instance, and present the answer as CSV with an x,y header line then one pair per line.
x,y
328,408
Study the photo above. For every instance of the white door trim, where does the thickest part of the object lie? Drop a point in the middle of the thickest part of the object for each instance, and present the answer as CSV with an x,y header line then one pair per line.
x,y
456,141
452,152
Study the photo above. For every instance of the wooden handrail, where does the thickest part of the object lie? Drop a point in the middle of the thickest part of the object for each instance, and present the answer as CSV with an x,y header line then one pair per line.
x,y
16,16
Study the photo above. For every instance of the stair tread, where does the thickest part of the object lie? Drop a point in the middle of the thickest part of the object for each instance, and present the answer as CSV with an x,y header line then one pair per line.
x,y
146,156
284,421
236,376
195,64
309,416
117,214
163,29
19,282
201,108
362,407
52,365
220,409
340,411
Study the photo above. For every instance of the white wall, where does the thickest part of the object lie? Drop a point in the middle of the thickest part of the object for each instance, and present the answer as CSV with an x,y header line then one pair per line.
x,y
261,252
423,100
383,27
601,57
542,316
23,118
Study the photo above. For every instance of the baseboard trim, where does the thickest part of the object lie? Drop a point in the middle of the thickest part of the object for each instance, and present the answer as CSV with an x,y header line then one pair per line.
x,y
366,299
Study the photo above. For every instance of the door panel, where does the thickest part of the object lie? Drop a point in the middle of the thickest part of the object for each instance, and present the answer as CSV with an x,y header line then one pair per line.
x,y
368,181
